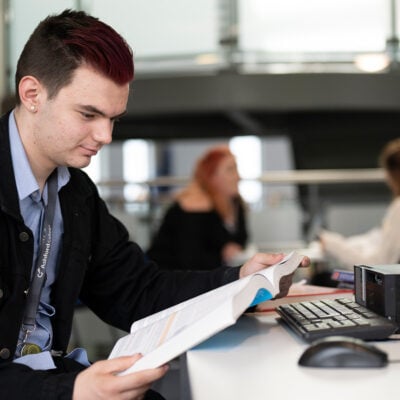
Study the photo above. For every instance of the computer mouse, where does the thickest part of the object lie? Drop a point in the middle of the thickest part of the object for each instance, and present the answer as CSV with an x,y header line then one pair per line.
x,y
343,352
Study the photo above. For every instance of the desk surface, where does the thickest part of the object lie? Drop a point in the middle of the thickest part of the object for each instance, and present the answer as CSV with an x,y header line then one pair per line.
x,y
257,359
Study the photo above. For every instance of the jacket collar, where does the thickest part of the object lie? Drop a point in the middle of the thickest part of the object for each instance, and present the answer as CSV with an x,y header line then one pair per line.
x,y
8,190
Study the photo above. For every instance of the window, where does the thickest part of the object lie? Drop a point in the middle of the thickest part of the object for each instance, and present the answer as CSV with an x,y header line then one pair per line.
x,y
138,166
313,26
247,150
167,34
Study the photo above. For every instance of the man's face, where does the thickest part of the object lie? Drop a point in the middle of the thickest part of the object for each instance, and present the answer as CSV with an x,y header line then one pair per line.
x,y
74,125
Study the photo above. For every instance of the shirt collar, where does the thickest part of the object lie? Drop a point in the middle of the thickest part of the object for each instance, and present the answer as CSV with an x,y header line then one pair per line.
x,y
25,180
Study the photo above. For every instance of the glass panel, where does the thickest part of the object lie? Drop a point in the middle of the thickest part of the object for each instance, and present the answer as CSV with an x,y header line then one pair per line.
x,y
153,28
161,27
186,33
313,25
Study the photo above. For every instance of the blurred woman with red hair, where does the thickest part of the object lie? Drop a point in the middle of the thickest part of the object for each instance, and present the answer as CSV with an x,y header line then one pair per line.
x,y
205,226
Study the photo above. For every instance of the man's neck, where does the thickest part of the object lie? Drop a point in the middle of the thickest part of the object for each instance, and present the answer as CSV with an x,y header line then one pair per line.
x,y
25,129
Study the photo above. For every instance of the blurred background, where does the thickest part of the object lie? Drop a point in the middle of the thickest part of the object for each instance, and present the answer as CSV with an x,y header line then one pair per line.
x,y
306,93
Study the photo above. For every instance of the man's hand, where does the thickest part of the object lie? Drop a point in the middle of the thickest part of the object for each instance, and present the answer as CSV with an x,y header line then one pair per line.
x,y
100,381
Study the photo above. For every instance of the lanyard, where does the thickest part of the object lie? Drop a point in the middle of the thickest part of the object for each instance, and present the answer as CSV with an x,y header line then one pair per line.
x,y
39,275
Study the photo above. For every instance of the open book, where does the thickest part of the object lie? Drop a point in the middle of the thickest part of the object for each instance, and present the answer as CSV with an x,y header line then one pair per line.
x,y
167,334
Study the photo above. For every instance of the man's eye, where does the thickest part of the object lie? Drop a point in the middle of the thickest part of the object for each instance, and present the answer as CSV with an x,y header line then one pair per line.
x,y
87,115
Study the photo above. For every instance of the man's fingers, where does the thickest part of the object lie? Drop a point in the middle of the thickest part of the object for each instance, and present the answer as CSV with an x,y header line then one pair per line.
x,y
305,262
118,364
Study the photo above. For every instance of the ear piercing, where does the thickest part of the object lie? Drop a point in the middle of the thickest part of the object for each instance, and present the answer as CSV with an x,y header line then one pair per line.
x,y
33,108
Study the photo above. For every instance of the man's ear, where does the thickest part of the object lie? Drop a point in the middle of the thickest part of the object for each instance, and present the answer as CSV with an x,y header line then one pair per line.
x,y
30,91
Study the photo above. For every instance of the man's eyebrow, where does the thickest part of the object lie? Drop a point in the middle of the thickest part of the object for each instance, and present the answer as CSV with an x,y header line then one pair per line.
x,y
119,115
95,110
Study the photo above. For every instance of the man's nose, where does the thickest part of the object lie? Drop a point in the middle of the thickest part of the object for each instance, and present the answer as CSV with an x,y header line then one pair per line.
x,y
103,132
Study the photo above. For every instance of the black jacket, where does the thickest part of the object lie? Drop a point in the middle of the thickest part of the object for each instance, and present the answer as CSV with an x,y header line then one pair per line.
x,y
98,266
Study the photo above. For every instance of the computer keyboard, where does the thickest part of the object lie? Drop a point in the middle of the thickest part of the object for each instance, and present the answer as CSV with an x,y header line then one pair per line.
x,y
343,316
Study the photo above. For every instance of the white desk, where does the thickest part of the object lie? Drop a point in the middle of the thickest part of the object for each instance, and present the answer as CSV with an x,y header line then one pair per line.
x,y
257,359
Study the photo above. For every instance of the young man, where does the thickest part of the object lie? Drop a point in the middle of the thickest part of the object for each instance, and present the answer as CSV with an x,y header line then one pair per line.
x,y
58,241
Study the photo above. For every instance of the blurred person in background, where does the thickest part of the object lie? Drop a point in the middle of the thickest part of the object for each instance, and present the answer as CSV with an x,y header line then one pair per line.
x,y
380,245
205,226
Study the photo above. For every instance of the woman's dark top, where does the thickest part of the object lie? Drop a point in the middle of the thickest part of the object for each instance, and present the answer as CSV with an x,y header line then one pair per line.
x,y
194,240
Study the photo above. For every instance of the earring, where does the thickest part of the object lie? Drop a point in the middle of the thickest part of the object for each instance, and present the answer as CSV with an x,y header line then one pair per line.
x,y
33,108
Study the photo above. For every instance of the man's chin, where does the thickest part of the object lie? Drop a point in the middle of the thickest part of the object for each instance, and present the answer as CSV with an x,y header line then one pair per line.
x,y
80,164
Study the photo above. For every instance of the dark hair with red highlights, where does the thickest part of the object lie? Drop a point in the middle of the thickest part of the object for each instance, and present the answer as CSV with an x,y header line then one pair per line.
x,y
61,43
205,169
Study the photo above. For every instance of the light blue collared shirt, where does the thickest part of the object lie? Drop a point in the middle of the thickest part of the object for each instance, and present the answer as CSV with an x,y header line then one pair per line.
x,y
32,204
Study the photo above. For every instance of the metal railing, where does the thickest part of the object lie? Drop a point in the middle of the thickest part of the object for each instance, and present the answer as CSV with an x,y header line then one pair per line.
x,y
306,177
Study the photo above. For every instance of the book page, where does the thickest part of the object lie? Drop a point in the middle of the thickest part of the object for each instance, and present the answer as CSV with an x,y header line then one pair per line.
x,y
198,305
153,331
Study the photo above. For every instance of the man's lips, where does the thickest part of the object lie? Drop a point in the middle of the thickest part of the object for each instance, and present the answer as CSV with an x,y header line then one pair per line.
x,y
89,151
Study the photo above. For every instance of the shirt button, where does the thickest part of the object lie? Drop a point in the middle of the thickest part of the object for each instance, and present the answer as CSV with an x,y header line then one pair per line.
x,y
4,353
24,236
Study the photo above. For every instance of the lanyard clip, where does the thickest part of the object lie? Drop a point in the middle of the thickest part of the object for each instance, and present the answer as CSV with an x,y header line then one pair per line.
x,y
27,331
